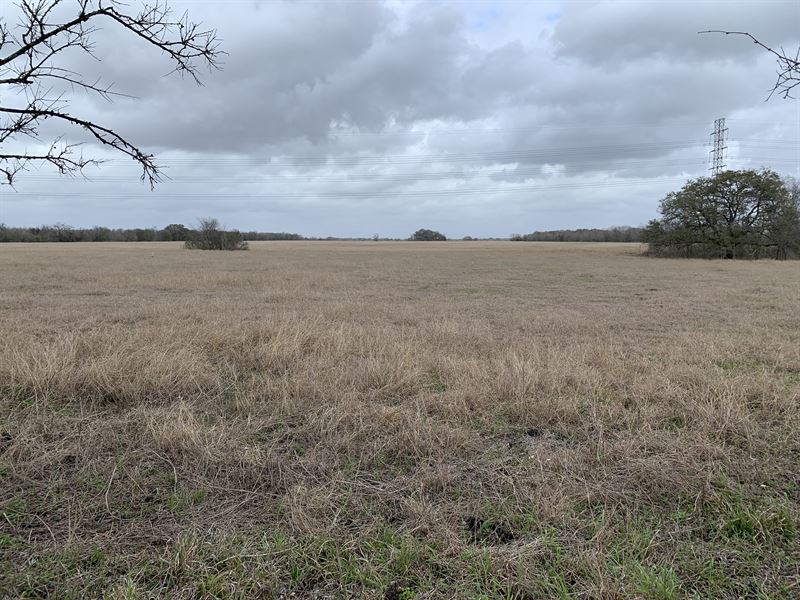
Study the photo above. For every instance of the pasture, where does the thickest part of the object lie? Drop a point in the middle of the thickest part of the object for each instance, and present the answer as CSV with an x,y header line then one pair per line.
x,y
397,420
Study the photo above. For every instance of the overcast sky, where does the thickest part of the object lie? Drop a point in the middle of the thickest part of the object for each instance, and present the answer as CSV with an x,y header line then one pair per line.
x,y
472,117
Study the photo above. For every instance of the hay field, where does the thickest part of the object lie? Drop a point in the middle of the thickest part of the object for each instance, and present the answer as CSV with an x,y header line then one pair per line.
x,y
397,420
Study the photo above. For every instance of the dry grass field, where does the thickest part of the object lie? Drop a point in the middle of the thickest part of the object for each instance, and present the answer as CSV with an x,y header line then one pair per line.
x,y
397,421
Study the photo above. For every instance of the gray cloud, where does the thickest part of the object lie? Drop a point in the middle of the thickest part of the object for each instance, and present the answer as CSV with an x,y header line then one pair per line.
x,y
480,118
613,33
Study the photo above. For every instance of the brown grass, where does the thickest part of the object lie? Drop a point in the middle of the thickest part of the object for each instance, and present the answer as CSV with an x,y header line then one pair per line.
x,y
396,420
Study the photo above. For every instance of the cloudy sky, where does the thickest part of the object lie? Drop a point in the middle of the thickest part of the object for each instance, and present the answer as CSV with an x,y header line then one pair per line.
x,y
482,118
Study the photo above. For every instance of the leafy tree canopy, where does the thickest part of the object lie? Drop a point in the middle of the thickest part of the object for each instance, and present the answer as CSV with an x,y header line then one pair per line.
x,y
428,235
736,214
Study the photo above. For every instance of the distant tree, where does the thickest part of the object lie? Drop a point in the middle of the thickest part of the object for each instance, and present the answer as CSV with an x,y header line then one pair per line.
x,y
175,232
211,236
35,85
144,235
736,214
427,235
99,234
62,232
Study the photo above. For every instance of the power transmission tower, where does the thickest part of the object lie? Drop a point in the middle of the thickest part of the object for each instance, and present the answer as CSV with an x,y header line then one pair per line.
x,y
718,147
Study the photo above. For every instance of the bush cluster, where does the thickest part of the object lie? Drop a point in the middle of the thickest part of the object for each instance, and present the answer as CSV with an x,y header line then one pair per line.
x,y
210,236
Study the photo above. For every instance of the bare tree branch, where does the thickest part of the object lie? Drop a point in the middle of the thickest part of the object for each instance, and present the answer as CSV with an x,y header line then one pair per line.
x,y
104,135
59,155
788,66
29,55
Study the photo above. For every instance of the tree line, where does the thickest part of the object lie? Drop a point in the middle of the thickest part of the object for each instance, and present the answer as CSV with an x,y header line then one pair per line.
x,y
175,232
613,234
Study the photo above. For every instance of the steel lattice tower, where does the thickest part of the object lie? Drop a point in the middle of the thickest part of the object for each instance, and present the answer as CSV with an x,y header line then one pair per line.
x,y
718,147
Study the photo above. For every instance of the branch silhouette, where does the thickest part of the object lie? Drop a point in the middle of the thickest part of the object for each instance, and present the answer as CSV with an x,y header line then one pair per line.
x,y
788,74
29,68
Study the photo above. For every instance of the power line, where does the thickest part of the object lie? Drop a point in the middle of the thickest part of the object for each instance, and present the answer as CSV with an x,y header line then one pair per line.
x,y
554,153
354,193
530,172
403,177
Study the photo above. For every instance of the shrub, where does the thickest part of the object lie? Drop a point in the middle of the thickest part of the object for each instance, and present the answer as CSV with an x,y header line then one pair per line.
x,y
210,236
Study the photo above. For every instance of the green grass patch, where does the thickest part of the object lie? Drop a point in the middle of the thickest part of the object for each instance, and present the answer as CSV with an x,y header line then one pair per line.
x,y
656,583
